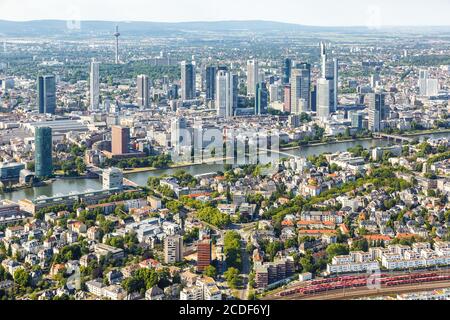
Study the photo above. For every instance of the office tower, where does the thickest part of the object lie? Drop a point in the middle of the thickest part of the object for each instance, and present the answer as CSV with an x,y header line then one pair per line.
x,y
423,77
377,111
261,99
294,121
324,97
330,71
203,255
112,178
300,89
95,85
287,67
432,88
117,35
323,59
274,93
335,84
287,98
176,126
211,72
314,98
226,93
120,140
143,91
357,120
173,249
252,77
43,152
187,81
374,80
47,94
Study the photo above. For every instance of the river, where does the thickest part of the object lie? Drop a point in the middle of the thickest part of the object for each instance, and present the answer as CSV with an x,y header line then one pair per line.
x,y
65,186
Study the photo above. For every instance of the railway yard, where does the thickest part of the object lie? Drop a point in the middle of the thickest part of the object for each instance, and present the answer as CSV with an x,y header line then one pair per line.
x,y
362,286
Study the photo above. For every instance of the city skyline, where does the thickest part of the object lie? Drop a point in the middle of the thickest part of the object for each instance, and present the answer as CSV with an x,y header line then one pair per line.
x,y
351,12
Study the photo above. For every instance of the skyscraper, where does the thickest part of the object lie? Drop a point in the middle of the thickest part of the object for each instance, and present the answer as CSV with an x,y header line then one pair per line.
x,y
173,249
143,95
335,84
377,111
176,126
43,152
94,85
203,255
252,77
330,71
226,93
261,99
323,59
300,88
423,77
324,97
287,67
47,94
187,81
211,83
120,140
287,98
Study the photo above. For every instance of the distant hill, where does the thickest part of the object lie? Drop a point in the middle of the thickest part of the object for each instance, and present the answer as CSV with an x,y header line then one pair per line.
x,y
65,28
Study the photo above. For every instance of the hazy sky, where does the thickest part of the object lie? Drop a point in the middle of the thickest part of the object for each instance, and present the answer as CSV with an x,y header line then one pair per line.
x,y
309,12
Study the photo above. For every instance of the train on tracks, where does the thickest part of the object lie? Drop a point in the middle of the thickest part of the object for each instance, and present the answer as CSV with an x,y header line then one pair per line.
x,y
351,282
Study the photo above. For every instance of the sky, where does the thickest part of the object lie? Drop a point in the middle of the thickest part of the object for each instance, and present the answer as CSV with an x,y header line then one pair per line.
x,y
371,13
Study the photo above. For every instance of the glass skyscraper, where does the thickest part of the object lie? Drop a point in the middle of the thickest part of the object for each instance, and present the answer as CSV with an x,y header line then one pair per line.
x,y
261,100
43,152
46,94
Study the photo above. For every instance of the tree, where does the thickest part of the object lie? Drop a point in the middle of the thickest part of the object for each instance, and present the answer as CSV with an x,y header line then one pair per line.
x,y
232,249
337,249
232,277
22,278
210,271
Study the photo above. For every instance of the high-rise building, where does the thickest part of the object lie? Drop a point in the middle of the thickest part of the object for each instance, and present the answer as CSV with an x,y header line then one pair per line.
x,y
47,94
324,97
423,77
226,93
377,111
335,84
314,98
188,91
432,88
203,255
261,99
330,71
300,89
120,140
357,120
252,77
176,126
94,85
287,67
287,98
173,249
323,59
211,72
43,152
143,91
274,93
112,179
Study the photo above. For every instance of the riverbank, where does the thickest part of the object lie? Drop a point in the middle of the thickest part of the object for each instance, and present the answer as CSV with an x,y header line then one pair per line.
x,y
318,144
